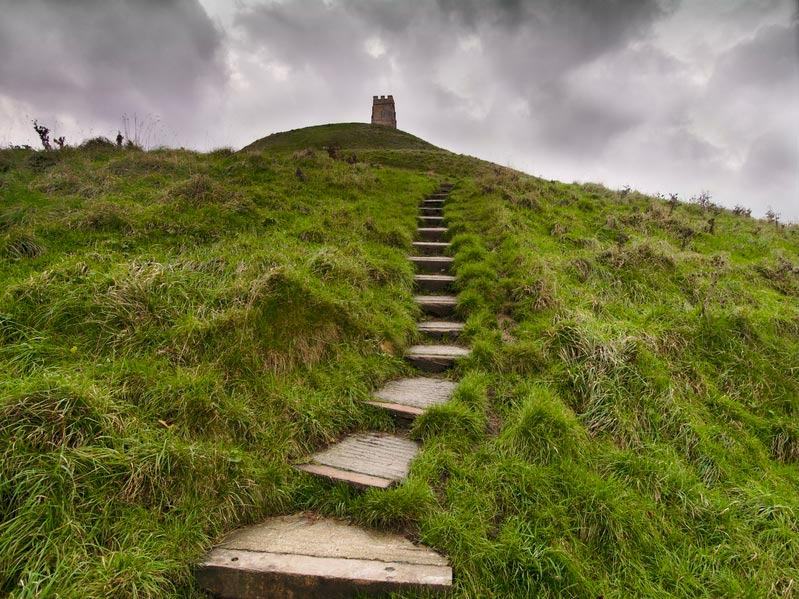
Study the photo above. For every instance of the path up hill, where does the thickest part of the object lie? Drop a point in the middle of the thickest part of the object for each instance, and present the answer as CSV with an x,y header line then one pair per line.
x,y
180,331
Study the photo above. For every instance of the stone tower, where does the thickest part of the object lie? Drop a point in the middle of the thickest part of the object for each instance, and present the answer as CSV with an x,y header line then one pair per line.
x,y
383,112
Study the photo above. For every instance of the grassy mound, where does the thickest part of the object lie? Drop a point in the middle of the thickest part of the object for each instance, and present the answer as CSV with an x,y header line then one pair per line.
x,y
177,328
348,136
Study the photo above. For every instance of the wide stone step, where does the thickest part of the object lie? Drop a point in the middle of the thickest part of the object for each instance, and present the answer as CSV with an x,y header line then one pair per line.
x,y
441,329
410,397
425,211
306,556
437,305
433,282
433,203
365,460
432,233
431,264
431,248
431,221
434,358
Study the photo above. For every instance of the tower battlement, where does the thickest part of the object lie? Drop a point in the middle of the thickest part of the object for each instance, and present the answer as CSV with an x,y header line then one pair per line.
x,y
383,111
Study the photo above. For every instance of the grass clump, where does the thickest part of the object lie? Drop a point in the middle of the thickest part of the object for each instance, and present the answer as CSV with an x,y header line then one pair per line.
x,y
543,430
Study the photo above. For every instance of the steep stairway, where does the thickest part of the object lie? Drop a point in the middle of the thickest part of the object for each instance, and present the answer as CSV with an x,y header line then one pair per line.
x,y
307,556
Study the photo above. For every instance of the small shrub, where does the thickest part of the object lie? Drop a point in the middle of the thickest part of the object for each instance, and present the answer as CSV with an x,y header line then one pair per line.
x,y
703,200
44,135
773,217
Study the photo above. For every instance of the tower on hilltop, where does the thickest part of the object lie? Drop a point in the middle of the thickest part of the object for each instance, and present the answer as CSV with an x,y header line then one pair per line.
x,y
383,111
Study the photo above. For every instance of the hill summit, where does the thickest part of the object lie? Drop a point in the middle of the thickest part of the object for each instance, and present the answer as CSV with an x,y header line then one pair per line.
x,y
345,135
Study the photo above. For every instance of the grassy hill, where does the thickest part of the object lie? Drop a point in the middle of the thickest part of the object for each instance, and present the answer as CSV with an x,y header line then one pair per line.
x,y
352,136
176,328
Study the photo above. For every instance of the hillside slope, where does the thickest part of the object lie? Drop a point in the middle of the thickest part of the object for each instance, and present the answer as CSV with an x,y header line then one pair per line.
x,y
176,328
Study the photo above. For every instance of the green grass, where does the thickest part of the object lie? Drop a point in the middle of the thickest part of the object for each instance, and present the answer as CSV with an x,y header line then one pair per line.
x,y
346,136
176,328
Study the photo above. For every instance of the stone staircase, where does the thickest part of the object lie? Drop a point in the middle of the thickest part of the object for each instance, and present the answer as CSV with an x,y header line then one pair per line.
x,y
307,556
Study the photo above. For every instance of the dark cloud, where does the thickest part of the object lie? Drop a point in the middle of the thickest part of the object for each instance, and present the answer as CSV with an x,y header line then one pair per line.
x,y
98,59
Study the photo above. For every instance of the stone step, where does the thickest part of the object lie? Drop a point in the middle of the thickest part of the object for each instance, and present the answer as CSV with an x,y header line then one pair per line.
x,y
431,264
433,282
438,195
306,556
434,358
431,221
433,203
431,248
365,460
441,329
426,211
408,398
437,305
432,233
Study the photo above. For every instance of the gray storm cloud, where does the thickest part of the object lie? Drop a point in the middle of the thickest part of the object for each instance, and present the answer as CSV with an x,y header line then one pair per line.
x,y
95,60
661,95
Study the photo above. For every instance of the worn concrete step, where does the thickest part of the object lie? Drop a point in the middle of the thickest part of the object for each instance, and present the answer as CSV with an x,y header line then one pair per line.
x,y
431,264
426,211
439,195
441,329
432,233
434,358
433,203
431,221
433,282
431,248
437,305
410,397
306,556
365,460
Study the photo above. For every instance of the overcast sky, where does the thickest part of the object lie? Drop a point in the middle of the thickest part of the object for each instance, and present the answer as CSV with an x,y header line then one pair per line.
x,y
662,95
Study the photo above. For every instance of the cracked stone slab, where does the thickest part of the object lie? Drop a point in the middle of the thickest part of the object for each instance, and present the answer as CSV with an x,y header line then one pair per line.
x,y
305,556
